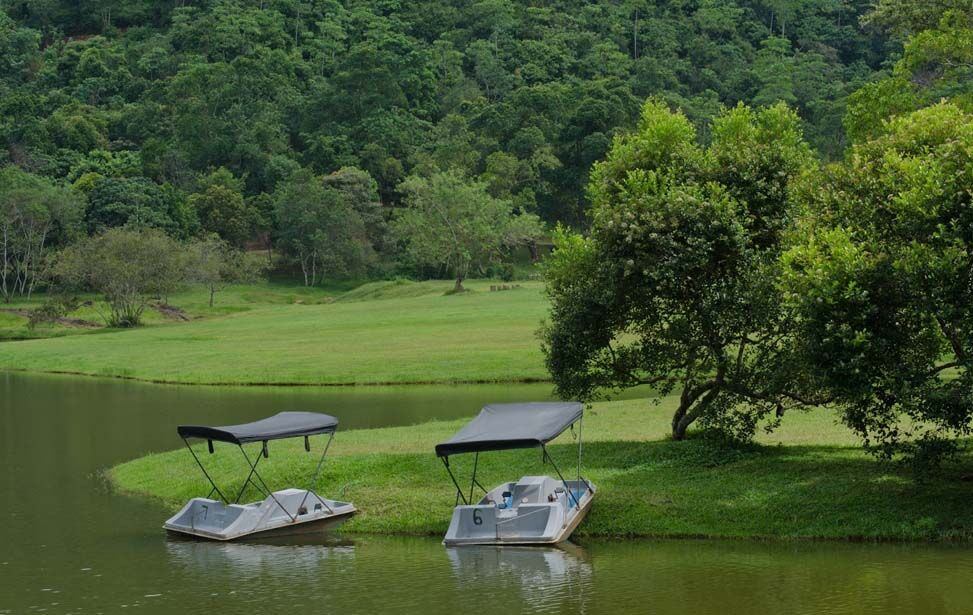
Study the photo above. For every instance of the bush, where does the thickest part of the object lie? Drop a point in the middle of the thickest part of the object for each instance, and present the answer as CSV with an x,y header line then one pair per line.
x,y
127,266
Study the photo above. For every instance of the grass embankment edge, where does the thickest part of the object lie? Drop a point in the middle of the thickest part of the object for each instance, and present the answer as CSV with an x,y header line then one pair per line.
x,y
808,481
271,383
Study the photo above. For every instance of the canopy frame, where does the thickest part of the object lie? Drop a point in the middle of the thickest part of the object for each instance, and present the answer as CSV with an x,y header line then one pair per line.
x,y
545,456
253,477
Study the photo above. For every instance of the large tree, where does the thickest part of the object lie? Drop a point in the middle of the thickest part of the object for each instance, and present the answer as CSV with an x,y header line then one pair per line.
x,y
214,263
881,283
138,202
36,216
675,287
221,208
319,229
452,222
360,190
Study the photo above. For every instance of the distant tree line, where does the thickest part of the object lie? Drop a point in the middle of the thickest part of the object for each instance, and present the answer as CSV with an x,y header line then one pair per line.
x,y
303,124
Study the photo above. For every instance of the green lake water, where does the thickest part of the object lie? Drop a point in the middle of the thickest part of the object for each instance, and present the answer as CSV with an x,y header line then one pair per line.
x,y
69,545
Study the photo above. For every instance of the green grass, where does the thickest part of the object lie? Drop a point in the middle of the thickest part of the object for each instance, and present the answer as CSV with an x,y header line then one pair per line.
x,y
194,301
809,480
392,332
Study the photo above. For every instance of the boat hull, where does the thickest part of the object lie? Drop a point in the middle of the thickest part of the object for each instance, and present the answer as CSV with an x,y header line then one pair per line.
x,y
563,517
287,512
299,528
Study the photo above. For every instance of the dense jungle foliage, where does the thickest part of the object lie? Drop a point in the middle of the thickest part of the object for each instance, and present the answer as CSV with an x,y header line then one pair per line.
x,y
136,104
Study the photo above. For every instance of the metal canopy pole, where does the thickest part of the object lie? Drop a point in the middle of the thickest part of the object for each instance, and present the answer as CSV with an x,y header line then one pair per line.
x,y
473,481
580,427
559,475
314,479
253,467
253,470
206,474
476,462
459,490
581,479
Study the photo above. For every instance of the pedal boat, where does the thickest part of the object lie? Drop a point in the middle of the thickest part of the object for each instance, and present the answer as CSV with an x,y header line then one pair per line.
x,y
534,510
287,511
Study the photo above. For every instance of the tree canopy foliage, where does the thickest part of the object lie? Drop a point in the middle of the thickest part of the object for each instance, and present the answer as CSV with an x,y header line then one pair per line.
x,y
36,216
320,229
937,63
524,96
127,266
881,281
676,285
455,224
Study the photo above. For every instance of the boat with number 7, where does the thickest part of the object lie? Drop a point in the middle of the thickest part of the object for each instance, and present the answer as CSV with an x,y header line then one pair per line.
x,y
287,511
533,510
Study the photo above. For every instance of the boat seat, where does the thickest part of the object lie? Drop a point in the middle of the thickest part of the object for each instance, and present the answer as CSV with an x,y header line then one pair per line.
x,y
530,490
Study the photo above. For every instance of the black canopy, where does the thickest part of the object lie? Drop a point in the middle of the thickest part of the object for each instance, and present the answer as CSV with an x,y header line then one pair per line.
x,y
504,426
281,425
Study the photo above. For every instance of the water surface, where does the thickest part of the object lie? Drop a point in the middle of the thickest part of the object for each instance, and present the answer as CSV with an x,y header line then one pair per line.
x,y
68,545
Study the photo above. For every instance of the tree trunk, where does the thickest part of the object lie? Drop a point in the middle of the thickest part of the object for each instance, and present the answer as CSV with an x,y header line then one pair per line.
x,y
458,287
304,269
680,425
691,407
5,266
212,291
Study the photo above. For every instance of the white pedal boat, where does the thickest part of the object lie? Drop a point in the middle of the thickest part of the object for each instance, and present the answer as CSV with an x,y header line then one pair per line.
x,y
287,511
534,510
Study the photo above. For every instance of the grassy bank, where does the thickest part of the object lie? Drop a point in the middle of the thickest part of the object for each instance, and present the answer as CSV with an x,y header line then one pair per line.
x,y
192,302
808,480
379,333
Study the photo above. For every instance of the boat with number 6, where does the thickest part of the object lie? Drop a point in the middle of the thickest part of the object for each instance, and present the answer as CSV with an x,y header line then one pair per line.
x,y
287,511
533,510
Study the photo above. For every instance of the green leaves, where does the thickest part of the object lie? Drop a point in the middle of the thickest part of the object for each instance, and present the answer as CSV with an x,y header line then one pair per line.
x,y
127,266
937,64
676,285
319,229
221,208
879,281
454,223
35,216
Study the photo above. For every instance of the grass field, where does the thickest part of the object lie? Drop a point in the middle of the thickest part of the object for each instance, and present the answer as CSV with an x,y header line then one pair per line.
x,y
194,301
809,480
386,332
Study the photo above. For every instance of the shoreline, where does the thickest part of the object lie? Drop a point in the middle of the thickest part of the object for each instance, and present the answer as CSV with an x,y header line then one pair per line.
x,y
809,482
528,380
580,537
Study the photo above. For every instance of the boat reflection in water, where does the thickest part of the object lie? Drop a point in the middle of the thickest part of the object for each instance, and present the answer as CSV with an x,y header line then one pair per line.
x,y
546,578
255,559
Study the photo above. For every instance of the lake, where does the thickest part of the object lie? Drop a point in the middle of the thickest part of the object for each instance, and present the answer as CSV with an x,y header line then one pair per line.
x,y
69,545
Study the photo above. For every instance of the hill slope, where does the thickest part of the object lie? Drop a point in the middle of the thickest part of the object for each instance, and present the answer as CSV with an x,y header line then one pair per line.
x,y
478,336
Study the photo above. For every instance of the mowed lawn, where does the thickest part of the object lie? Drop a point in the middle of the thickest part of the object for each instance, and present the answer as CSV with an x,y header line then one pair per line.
x,y
385,333
808,480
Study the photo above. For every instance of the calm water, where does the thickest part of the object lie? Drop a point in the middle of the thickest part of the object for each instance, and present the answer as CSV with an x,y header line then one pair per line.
x,y
67,545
